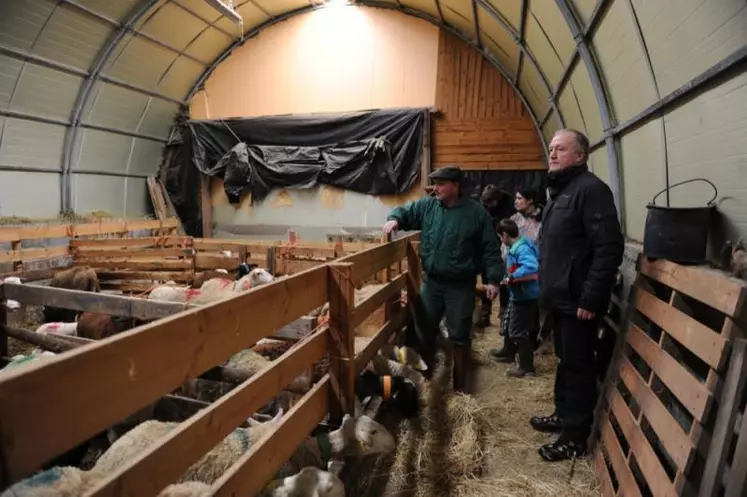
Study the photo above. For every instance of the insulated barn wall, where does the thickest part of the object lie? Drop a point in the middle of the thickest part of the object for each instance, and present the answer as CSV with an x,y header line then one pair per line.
x,y
378,59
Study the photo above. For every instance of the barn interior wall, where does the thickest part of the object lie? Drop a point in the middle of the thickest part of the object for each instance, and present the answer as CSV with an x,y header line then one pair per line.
x,y
372,59
392,61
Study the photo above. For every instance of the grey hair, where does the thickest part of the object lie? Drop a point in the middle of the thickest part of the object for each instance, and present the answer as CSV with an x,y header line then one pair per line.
x,y
582,142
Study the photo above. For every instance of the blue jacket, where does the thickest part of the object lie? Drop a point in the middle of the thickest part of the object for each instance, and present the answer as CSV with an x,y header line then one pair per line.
x,y
522,260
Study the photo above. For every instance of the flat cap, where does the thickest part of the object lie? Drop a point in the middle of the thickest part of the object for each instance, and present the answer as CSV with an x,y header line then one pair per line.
x,y
448,173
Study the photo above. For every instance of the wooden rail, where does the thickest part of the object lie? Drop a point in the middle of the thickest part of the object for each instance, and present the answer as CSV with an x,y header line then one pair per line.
x,y
93,386
674,360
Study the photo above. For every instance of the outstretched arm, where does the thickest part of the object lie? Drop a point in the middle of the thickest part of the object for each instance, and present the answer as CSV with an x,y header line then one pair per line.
x,y
409,216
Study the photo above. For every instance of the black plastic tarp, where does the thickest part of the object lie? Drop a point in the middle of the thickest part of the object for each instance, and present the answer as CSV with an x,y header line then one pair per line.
x,y
373,152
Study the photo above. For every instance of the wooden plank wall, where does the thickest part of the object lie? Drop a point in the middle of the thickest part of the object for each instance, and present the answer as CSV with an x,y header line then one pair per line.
x,y
484,125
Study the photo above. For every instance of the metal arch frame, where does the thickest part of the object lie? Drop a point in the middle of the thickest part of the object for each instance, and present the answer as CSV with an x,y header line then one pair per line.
x,y
586,54
523,51
72,136
198,86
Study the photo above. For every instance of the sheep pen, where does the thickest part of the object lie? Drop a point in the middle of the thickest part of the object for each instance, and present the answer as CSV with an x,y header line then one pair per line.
x,y
478,445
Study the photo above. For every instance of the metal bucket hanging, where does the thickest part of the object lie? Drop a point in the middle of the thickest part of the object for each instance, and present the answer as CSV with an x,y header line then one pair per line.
x,y
679,234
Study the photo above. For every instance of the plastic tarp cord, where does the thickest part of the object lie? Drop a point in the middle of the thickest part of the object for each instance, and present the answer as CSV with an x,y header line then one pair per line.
x,y
373,152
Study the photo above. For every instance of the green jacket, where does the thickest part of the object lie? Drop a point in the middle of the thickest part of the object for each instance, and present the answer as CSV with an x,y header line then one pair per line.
x,y
456,242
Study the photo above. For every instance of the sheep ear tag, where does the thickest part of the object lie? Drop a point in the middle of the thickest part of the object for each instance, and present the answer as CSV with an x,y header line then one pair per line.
x,y
387,387
422,366
400,351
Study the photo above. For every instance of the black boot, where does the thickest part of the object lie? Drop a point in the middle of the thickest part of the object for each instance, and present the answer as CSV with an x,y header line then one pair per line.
x,y
462,367
562,449
547,424
526,360
507,353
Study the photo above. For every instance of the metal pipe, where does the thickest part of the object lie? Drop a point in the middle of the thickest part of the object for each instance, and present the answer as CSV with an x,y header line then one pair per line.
x,y
109,173
28,169
33,117
522,35
72,136
597,84
478,41
116,131
440,12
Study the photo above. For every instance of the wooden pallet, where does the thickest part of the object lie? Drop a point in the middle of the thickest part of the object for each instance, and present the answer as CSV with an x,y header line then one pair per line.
x,y
678,338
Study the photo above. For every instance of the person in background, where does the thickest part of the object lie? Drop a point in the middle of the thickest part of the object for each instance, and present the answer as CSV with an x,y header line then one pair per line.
x,y
498,204
457,241
522,316
580,250
528,218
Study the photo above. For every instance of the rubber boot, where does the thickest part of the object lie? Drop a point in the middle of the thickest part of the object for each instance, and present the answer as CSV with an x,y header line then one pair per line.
x,y
507,353
462,366
526,360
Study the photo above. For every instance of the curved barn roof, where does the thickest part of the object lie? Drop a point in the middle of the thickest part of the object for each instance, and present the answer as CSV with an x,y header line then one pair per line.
x,y
91,86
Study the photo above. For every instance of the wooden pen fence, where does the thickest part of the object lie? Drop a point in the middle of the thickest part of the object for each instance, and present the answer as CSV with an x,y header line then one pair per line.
x,y
668,426
90,388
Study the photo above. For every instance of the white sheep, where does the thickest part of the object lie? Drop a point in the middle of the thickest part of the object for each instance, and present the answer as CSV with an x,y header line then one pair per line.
x,y
34,356
66,481
208,469
67,329
356,437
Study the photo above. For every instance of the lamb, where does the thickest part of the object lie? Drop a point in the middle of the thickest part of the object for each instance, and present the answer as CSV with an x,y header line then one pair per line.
x,y
251,361
203,276
82,278
212,290
402,392
35,355
734,259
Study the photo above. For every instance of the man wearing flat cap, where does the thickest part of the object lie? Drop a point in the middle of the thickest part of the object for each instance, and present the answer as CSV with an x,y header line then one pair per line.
x,y
457,242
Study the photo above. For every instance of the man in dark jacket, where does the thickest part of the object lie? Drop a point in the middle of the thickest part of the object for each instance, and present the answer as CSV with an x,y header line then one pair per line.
x,y
581,247
457,240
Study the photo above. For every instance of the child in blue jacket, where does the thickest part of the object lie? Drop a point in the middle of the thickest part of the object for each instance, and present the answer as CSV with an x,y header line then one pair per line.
x,y
522,317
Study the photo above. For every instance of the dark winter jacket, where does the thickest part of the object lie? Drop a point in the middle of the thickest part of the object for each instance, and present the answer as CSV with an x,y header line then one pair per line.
x,y
456,242
580,244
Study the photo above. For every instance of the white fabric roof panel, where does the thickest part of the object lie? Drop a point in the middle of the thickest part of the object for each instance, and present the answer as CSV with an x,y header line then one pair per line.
x,y
130,62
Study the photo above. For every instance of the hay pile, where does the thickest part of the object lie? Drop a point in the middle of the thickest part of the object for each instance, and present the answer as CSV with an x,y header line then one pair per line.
x,y
438,453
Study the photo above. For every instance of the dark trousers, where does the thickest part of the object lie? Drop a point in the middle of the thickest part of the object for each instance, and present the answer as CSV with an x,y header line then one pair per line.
x,y
575,381
454,301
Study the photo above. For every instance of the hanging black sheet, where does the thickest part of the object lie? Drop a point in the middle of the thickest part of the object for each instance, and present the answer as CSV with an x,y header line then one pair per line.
x,y
374,152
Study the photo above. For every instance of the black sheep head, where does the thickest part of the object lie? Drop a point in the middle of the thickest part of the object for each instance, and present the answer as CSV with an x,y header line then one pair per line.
x,y
405,396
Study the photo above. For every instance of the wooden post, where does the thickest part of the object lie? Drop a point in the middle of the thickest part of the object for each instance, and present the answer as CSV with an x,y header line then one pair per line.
x,y
342,339
425,158
271,258
3,324
207,206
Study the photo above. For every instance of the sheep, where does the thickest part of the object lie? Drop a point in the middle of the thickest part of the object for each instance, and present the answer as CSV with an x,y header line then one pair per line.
x,y
399,390
250,361
356,437
82,278
73,482
34,356
734,259
203,276
207,470
99,326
